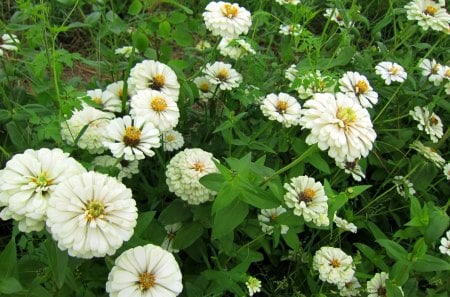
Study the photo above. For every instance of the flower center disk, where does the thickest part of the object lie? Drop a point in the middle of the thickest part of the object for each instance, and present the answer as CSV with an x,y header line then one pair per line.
x,y
347,115
198,166
146,281
229,10
430,10
282,106
335,263
307,195
94,209
223,74
361,87
132,136
158,82
158,104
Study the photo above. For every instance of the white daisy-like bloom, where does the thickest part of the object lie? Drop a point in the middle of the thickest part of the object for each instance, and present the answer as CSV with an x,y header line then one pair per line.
x,y
107,100
253,285
226,19
311,83
447,171
91,215
125,168
291,73
171,233
126,51
116,88
444,248
433,70
286,2
282,108
292,29
157,108
203,45
428,14
172,140
390,71
334,266
145,271
358,87
222,75
268,217
8,42
350,288
183,175
27,182
337,17
404,186
352,168
156,76
307,198
235,48
428,153
376,286
447,88
344,224
428,122
205,87
92,138
338,124
132,138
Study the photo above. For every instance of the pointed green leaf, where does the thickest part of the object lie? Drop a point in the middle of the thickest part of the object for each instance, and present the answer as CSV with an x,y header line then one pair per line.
x,y
57,261
187,235
227,219
8,260
393,249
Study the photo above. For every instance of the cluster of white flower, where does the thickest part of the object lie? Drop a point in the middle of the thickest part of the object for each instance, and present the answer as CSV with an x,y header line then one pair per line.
x,y
268,218
126,168
8,42
282,108
429,14
390,71
292,29
428,122
436,73
447,171
428,153
253,285
334,266
352,168
356,86
172,140
227,20
107,100
222,75
338,17
444,248
168,240
404,186
376,286
344,224
235,48
126,51
184,172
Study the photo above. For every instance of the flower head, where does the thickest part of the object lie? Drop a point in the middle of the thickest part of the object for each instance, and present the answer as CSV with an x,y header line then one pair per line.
x,y
126,169
107,100
352,168
390,72
116,88
338,124
344,224
433,70
307,198
428,153
171,233
29,180
428,14
172,140
235,48
126,51
203,45
222,75
358,87
205,87
447,171
350,288
444,248
428,122
292,29
334,266
282,108
184,172
226,19
132,138
336,16
376,286
253,285
404,186
145,271
91,215
8,42
267,220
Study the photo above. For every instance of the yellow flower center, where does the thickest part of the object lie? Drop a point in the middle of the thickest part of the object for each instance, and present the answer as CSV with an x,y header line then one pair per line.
x,y
171,236
158,82
204,87
198,166
42,181
97,100
394,70
335,263
120,92
230,10
430,10
347,115
282,106
132,136
170,138
447,73
322,85
307,195
146,281
273,217
361,87
158,104
223,74
435,68
433,121
339,17
94,209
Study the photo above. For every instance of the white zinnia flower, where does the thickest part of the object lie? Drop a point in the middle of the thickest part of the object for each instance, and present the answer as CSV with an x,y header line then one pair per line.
x,y
253,285
92,138
168,240
184,172
8,42
116,88
126,51
132,138
27,182
376,286
235,48
428,122
223,75
107,100
338,124
334,266
172,140
390,71
91,215
125,168
308,199
433,70
447,171
428,153
358,87
282,108
205,87
156,76
293,29
352,168
337,17
404,186
428,14
145,271
344,224
444,248
226,19
350,288
291,2
156,107
268,218
291,73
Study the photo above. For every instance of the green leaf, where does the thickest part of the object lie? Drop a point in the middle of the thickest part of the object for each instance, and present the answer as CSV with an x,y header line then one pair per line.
x,y
8,260
177,4
393,249
372,256
140,41
437,225
419,250
335,203
399,273
291,239
227,219
257,197
393,290
213,181
164,29
135,7
177,211
187,235
57,261
177,18
17,135
143,221
226,195
376,232
430,263
353,192
318,162
10,285
93,18
182,36
5,116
